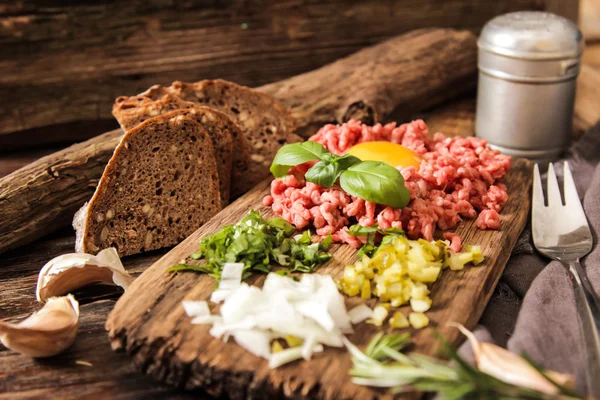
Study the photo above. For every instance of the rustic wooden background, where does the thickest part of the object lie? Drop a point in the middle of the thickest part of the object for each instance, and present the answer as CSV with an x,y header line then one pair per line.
x,y
63,62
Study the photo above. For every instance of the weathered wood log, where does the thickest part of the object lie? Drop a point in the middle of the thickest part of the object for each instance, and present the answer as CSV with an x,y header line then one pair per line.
x,y
43,196
64,61
373,83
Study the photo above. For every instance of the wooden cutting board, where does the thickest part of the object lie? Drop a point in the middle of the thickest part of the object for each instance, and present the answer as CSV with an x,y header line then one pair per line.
x,y
150,324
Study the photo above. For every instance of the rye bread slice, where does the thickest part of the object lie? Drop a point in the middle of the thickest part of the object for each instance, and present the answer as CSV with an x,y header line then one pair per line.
x,y
131,111
266,124
160,185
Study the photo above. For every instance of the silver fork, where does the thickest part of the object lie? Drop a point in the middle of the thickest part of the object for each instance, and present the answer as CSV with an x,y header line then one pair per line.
x,y
561,232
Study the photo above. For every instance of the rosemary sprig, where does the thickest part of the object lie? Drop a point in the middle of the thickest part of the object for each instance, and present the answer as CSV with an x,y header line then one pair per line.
x,y
382,364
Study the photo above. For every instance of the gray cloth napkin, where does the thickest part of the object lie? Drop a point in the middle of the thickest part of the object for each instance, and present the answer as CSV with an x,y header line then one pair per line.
x,y
532,310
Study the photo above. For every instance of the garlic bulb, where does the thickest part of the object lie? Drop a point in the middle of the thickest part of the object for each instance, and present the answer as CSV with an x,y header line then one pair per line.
x,y
45,333
69,272
509,367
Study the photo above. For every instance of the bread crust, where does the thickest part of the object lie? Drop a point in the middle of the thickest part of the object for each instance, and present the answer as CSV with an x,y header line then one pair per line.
x,y
180,173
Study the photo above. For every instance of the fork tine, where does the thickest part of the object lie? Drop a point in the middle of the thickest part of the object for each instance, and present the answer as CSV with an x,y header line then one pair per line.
x,y
537,199
571,196
554,199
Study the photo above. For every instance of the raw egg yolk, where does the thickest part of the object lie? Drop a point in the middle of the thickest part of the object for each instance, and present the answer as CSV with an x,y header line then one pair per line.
x,y
388,152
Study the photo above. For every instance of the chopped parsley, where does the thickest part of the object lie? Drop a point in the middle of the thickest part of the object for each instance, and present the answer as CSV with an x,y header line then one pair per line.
x,y
258,244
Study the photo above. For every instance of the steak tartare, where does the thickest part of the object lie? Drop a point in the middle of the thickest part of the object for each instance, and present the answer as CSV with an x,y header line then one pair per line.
x,y
457,178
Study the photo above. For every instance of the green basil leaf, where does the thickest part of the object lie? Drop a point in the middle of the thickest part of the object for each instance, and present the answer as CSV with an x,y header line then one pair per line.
x,y
329,157
327,171
323,174
376,181
347,161
296,154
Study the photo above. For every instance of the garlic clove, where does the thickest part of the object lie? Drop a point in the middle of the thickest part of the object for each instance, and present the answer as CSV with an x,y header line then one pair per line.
x,y
511,368
70,272
45,333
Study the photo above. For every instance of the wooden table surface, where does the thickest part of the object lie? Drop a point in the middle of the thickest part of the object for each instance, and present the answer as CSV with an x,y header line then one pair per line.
x,y
90,369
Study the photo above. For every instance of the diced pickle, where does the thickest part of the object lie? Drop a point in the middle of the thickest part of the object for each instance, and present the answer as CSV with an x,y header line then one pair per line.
x,y
418,320
365,292
276,347
399,320
398,274
293,341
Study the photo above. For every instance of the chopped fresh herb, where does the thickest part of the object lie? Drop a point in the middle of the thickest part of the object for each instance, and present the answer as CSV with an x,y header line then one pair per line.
x,y
367,249
370,232
258,244
190,267
360,230
325,243
282,224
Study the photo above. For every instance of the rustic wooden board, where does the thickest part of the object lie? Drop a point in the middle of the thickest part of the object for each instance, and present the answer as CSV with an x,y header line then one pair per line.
x,y
149,322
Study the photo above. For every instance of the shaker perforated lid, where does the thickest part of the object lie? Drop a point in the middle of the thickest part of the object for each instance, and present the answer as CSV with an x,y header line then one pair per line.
x,y
531,35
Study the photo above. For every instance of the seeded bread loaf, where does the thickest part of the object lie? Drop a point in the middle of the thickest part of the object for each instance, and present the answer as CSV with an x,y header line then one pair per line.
x,y
266,123
160,185
232,160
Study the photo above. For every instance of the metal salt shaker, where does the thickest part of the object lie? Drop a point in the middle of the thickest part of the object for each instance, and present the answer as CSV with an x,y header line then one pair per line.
x,y
528,63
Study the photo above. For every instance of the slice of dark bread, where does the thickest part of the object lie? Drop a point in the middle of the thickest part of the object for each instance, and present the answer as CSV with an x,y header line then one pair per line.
x,y
266,124
160,185
131,111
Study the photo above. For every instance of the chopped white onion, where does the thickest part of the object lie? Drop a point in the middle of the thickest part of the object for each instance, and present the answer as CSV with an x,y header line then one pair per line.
x,y
312,310
231,280
360,313
380,313
317,312
284,357
308,347
255,341
196,308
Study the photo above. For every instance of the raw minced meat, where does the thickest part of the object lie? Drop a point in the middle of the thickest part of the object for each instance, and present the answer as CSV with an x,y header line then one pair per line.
x,y
457,178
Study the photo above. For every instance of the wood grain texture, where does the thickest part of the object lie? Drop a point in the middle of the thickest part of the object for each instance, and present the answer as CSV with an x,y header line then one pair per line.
x,y
587,100
44,195
589,20
65,61
566,8
149,323
408,73
111,375
453,119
